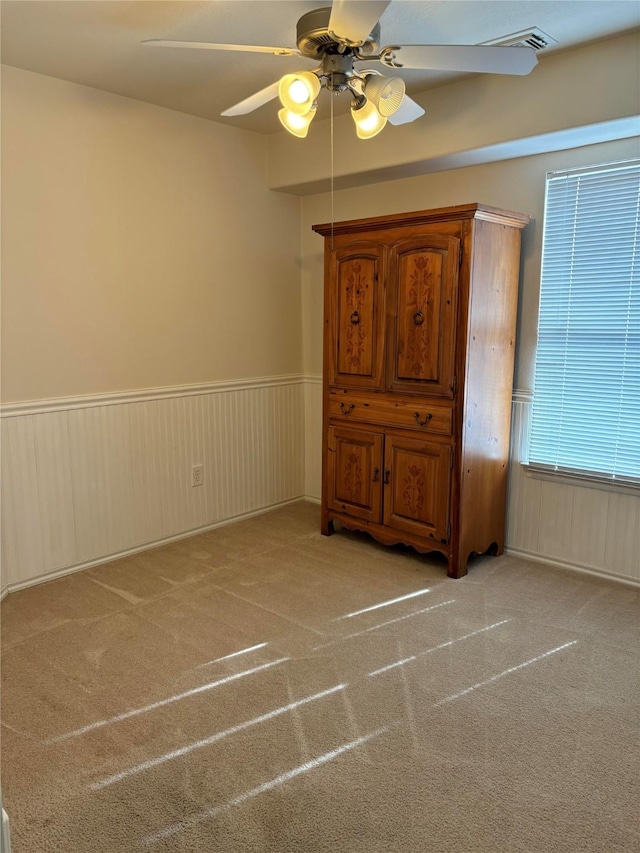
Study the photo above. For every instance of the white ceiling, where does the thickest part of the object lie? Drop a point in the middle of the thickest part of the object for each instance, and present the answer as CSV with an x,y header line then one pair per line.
x,y
97,43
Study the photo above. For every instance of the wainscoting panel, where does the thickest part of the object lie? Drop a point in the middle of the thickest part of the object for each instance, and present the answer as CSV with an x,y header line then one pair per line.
x,y
55,488
101,471
622,549
589,546
313,443
89,478
556,519
524,499
575,526
20,503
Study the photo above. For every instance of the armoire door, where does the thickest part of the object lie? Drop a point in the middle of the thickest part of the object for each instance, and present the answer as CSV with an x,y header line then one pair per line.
x,y
417,480
356,315
354,472
422,314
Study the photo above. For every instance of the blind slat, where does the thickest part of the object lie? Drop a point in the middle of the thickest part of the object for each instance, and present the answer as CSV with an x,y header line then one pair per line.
x,y
586,409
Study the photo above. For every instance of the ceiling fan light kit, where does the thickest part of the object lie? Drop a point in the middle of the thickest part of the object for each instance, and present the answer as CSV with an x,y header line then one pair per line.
x,y
339,37
386,94
298,92
367,119
295,123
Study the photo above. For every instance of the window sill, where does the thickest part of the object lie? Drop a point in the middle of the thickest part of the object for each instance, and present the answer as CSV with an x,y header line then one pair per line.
x,y
587,481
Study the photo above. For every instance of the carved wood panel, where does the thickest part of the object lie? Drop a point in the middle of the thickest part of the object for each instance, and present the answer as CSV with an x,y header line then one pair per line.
x,y
355,472
417,495
357,305
422,314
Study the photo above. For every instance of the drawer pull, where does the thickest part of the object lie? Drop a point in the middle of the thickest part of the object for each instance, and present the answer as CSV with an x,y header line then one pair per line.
x,y
355,318
418,318
376,471
424,421
345,408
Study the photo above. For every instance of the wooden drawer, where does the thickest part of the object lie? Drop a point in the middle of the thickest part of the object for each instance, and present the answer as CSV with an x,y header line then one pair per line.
x,y
392,411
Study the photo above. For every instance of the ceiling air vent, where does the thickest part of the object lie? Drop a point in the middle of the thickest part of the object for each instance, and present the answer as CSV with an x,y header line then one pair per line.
x,y
533,37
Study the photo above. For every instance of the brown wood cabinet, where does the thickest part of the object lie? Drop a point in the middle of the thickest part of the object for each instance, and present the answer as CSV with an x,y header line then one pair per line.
x,y
420,317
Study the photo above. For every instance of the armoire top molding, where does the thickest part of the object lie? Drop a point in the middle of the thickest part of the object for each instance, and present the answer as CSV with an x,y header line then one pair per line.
x,y
421,217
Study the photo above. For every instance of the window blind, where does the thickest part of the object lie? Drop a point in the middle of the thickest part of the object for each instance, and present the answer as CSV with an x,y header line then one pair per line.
x,y
586,405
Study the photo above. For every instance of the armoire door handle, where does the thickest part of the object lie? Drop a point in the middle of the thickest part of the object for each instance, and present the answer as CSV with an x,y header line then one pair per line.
x,y
376,471
387,473
424,421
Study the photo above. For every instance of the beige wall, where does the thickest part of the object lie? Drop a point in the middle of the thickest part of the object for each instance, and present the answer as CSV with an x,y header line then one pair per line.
x,y
141,247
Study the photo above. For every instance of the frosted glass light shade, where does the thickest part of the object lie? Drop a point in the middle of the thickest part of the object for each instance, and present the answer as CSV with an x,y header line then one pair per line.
x,y
296,124
297,92
368,120
385,93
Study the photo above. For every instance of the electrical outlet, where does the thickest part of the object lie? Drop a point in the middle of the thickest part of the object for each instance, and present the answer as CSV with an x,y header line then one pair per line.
x,y
197,475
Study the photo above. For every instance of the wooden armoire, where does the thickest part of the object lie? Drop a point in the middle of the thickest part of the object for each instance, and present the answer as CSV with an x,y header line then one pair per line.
x,y
419,339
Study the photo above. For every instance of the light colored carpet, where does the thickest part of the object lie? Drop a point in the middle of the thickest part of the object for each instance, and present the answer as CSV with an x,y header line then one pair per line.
x,y
263,688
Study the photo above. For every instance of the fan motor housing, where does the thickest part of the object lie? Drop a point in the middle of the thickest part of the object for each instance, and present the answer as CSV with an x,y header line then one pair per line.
x,y
315,39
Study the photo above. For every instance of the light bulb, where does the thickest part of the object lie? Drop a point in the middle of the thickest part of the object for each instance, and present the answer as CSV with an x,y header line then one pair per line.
x,y
368,120
296,124
297,92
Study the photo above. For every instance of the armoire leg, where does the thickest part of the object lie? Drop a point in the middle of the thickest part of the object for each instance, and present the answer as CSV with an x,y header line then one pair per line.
x,y
326,526
496,549
457,567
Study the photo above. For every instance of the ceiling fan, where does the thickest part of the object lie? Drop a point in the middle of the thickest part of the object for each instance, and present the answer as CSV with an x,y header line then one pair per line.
x,y
340,38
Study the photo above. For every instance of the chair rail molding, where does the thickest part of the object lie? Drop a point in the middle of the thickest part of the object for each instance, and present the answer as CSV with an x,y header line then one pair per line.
x,y
88,401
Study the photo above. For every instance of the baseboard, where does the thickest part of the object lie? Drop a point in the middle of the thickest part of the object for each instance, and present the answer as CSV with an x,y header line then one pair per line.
x,y
312,499
146,546
572,567
4,592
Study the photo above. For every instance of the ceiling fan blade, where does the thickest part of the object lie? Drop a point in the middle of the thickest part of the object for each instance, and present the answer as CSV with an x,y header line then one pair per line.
x,y
353,20
253,101
406,112
206,45
448,57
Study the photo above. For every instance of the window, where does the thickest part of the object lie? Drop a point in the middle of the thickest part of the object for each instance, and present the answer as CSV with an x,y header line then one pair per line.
x,y
586,405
